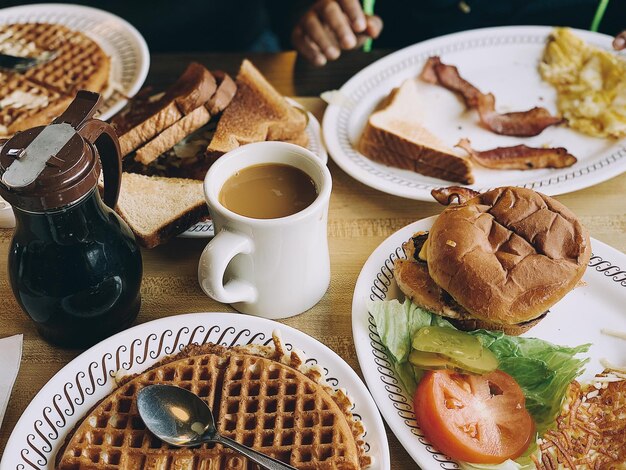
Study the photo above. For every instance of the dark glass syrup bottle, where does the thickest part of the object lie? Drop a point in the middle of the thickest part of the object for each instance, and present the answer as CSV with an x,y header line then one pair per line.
x,y
74,265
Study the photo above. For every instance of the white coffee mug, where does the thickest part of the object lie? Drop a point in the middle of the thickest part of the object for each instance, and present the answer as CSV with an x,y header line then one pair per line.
x,y
272,268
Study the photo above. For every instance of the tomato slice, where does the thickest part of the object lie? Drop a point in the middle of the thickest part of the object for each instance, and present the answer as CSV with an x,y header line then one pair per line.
x,y
474,418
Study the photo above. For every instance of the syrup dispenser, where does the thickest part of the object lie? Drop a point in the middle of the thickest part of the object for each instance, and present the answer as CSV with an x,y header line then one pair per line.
x,y
74,265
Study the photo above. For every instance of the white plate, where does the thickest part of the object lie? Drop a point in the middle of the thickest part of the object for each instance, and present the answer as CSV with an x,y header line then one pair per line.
x,y
75,389
129,54
576,319
204,228
500,60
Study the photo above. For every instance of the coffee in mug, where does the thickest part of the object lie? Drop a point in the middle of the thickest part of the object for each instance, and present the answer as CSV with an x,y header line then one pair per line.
x,y
271,264
268,191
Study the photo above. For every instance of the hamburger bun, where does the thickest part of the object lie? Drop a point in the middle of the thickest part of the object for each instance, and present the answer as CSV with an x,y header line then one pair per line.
x,y
415,282
507,255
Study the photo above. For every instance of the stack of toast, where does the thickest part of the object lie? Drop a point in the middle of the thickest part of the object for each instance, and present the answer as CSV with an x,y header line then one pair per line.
x,y
70,61
260,397
151,127
152,124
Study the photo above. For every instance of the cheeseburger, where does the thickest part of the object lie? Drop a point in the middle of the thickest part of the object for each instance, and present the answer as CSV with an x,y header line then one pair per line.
x,y
498,260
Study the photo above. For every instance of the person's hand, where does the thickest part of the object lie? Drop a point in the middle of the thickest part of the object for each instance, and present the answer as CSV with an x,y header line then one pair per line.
x,y
330,26
619,42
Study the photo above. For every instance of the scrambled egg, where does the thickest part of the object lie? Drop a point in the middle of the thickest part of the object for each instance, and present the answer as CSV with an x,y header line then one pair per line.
x,y
590,83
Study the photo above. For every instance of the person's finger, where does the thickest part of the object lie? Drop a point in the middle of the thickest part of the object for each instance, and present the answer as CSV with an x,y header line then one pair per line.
x,y
305,46
335,19
354,11
374,26
332,37
619,42
360,40
313,28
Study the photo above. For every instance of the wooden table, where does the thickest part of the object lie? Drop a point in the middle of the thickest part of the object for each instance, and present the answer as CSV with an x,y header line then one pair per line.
x,y
360,219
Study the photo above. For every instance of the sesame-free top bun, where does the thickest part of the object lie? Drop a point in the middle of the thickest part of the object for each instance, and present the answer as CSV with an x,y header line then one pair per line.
x,y
508,255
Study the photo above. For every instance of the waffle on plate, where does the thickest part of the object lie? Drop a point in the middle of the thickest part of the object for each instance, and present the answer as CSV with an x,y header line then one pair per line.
x,y
260,396
74,62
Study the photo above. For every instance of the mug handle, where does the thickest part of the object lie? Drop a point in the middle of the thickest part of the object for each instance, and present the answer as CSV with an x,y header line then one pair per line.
x,y
213,263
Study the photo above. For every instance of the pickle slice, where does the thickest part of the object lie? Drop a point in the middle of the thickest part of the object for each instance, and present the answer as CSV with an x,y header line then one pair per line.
x,y
447,341
427,360
488,362
459,350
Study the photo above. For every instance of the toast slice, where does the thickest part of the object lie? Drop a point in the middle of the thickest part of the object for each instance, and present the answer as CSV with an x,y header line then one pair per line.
x,y
194,88
172,135
394,136
224,94
145,118
257,113
159,208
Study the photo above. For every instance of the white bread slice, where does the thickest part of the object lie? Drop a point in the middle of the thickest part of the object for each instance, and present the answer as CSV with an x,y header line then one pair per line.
x,y
224,94
144,130
172,135
159,208
193,88
395,136
257,113
143,119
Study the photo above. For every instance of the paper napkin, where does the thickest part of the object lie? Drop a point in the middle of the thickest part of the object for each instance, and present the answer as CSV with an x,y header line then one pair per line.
x,y
10,357
7,218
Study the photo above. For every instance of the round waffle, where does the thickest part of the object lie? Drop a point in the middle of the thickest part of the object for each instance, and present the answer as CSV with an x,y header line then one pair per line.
x,y
77,63
260,397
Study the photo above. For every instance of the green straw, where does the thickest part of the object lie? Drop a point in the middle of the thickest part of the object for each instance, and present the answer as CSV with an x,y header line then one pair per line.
x,y
368,9
597,18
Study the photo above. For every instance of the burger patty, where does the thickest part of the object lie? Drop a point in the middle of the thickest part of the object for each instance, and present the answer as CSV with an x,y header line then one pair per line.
x,y
415,282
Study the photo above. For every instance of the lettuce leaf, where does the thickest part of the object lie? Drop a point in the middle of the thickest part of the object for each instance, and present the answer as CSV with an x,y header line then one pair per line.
x,y
506,465
396,324
524,462
543,370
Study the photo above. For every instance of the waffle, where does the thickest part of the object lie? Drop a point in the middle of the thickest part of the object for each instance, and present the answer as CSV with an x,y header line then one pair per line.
x,y
25,104
33,38
259,398
78,63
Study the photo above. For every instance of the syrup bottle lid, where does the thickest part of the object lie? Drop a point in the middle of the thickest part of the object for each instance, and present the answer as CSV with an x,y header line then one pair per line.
x,y
48,167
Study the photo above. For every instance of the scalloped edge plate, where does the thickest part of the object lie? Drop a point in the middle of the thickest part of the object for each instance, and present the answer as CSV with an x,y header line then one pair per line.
x,y
502,60
569,322
130,58
75,389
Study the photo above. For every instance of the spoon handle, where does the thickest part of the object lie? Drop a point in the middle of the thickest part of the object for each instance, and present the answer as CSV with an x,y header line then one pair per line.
x,y
253,455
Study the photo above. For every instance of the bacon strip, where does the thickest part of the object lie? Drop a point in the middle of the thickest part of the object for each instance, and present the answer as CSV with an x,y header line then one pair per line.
x,y
428,73
448,76
520,123
447,196
519,157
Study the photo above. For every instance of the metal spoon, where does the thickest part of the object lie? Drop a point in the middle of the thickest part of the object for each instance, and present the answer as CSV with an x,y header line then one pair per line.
x,y
183,419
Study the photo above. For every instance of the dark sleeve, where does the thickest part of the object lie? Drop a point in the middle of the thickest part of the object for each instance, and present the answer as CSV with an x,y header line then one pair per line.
x,y
284,14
